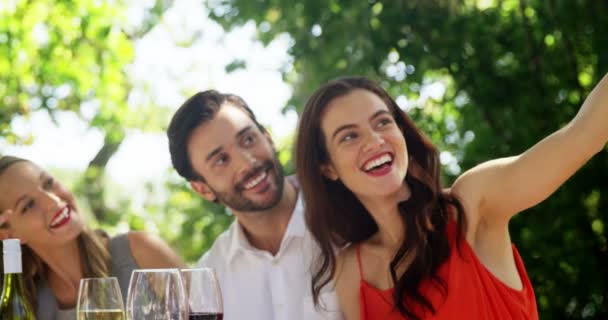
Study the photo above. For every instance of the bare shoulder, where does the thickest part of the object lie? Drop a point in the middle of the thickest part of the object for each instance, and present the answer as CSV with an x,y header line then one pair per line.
x,y
150,251
470,184
347,281
347,265
477,191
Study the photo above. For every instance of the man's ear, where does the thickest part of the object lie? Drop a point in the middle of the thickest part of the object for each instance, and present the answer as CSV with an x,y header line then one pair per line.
x,y
329,172
203,190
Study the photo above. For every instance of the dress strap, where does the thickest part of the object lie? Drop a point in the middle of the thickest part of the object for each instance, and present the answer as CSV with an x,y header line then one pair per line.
x,y
359,261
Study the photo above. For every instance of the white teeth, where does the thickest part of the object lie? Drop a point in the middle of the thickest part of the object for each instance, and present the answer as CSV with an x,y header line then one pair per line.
x,y
61,217
256,180
378,162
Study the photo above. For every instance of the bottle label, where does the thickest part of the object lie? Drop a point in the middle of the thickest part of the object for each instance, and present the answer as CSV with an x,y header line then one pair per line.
x,y
12,262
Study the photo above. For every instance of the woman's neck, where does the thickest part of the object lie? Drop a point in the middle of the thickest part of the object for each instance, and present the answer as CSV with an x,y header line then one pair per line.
x,y
64,272
385,212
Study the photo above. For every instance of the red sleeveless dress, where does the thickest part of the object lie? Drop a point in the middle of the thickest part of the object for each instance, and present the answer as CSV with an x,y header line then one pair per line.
x,y
473,292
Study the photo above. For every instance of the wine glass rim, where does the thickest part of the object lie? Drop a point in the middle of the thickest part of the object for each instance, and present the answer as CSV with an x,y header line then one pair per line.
x,y
156,270
99,278
197,269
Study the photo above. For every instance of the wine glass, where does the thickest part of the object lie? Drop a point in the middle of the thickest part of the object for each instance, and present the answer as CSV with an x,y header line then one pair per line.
x,y
156,294
203,293
99,298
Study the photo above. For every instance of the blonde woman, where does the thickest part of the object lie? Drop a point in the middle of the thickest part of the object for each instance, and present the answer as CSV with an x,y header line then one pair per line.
x,y
58,249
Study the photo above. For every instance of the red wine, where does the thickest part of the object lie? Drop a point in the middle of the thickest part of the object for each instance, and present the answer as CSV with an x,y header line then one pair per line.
x,y
205,316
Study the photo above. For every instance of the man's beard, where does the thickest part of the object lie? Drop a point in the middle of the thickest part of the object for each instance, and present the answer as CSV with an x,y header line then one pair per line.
x,y
235,199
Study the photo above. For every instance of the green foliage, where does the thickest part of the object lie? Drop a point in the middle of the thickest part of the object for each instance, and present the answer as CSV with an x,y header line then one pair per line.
x,y
70,56
193,223
66,56
57,55
170,209
513,72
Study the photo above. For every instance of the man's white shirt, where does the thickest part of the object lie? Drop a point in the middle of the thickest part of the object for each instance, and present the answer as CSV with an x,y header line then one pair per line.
x,y
257,285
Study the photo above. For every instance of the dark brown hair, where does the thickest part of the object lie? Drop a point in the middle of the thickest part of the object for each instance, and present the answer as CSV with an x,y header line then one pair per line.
x,y
95,258
335,217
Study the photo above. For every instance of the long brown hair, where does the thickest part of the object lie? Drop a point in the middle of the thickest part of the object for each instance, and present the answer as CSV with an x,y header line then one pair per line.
x,y
95,258
335,217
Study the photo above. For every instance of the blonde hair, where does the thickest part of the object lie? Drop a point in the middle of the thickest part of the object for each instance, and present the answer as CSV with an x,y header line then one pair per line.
x,y
95,258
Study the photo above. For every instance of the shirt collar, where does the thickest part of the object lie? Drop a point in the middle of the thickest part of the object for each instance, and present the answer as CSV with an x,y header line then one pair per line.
x,y
296,228
297,225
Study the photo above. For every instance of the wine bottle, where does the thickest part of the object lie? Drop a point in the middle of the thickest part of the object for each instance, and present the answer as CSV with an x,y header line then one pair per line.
x,y
13,301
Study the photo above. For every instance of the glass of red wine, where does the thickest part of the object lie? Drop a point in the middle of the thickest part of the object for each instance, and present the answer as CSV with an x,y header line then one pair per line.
x,y
203,294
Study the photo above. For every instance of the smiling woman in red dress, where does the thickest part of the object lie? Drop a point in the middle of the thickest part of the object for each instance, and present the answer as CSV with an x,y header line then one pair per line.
x,y
370,179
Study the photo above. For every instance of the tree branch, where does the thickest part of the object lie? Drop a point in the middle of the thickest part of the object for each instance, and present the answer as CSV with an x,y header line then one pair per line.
x,y
92,183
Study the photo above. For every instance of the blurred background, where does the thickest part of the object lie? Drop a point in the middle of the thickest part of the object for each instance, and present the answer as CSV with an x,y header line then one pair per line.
x,y
87,89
